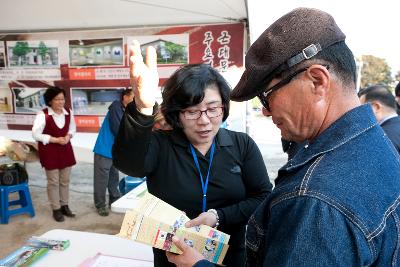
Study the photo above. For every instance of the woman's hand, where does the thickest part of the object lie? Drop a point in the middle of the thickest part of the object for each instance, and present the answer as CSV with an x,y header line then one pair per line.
x,y
62,140
206,218
56,140
67,138
144,77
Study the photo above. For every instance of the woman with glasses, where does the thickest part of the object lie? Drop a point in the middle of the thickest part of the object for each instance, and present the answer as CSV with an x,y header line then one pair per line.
x,y
216,176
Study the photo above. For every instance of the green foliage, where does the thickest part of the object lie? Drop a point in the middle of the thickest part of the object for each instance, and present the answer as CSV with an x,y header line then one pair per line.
x,y
176,52
397,77
42,50
375,70
21,49
255,103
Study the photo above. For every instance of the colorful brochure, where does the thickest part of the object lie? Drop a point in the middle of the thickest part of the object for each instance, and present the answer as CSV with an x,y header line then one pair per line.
x,y
155,222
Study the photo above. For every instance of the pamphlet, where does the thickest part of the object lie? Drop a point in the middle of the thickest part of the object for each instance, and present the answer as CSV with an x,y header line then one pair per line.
x,y
155,222
24,256
36,241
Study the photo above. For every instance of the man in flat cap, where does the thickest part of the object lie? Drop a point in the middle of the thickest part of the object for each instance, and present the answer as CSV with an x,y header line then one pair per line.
x,y
336,201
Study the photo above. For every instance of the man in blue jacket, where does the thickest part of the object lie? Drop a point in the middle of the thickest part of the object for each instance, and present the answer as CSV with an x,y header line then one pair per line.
x,y
384,106
106,176
336,201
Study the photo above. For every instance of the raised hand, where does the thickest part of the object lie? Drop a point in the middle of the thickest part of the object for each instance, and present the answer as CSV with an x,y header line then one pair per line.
x,y
144,77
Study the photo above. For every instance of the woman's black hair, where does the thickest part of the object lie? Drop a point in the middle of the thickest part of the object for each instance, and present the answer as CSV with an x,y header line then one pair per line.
x,y
51,93
186,88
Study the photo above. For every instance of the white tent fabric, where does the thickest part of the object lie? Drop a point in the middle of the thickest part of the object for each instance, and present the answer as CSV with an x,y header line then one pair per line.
x,y
39,15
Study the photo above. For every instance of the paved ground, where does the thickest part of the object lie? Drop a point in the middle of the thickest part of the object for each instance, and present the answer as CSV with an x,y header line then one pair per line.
x,y
21,227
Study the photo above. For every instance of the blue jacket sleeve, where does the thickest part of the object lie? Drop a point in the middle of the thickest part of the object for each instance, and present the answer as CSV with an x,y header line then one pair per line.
x,y
116,112
203,263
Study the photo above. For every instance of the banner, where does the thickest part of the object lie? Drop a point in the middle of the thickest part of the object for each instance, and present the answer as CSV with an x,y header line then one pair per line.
x,y
93,66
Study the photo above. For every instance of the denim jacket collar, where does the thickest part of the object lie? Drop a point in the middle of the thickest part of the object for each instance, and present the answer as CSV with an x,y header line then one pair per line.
x,y
354,121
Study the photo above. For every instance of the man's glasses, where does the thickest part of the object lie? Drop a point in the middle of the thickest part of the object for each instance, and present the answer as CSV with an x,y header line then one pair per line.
x,y
210,112
264,96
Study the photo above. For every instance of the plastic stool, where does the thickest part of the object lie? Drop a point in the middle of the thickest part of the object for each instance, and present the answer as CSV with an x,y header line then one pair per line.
x,y
128,183
24,201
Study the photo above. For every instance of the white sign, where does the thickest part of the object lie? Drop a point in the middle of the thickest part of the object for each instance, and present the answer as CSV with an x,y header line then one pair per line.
x,y
6,119
30,74
112,74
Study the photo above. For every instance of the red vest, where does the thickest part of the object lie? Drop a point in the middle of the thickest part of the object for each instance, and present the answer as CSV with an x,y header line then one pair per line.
x,y
56,156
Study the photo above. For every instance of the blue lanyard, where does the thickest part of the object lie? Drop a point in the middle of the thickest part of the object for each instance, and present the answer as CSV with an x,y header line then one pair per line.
x,y
204,185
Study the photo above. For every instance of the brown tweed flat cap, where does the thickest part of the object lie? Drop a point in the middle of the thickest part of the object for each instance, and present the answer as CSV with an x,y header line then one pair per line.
x,y
295,37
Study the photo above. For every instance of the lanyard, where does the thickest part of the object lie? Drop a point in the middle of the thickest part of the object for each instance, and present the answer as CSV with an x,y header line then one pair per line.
x,y
204,185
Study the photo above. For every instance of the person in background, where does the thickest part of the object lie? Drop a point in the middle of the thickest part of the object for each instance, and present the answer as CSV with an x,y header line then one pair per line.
x,y
216,176
397,97
105,175
336,201
53,128
384,107
159,122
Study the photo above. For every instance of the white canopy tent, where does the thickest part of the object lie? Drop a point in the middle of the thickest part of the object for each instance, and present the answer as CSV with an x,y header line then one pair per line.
x,y
52,15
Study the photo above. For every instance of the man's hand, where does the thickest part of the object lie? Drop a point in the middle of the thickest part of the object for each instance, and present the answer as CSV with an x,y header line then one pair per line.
x,y
189,256
144,77
206,218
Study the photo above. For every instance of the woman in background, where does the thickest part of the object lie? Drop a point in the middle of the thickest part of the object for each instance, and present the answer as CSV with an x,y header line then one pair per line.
x,y
53,128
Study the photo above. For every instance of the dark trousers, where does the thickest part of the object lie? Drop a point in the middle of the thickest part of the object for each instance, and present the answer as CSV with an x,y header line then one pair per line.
x,y
106,176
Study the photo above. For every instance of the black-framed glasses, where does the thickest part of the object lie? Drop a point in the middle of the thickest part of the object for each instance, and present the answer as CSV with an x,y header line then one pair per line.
x,y
210,112
264,96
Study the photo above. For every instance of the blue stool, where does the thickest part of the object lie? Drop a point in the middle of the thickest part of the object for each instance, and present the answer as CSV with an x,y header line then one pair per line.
x,y
24,201
128,183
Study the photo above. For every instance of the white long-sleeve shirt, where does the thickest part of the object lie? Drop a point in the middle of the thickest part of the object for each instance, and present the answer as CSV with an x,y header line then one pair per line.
x,y
59,119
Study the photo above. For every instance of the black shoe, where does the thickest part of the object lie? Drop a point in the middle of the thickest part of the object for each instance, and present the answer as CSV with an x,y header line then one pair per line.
x,y
66,211
58,216
103,211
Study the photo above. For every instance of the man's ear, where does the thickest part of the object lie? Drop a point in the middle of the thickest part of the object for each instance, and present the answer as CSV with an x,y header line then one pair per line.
x,y
320,77
376,106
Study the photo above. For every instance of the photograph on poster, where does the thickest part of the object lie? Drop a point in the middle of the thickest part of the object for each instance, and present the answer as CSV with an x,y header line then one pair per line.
x,y
94,101
96,52
2,55
171,48
33,54
5,99
28,100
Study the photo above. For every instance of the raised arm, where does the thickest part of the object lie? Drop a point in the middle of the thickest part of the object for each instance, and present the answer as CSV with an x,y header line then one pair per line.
x,y
132,142
144,77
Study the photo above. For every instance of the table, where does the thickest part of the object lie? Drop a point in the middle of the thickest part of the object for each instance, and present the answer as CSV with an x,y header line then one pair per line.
x,y
84,245
129,200
82,143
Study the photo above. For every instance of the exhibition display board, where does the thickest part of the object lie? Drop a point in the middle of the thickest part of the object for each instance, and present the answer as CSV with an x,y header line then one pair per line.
x,y
93,66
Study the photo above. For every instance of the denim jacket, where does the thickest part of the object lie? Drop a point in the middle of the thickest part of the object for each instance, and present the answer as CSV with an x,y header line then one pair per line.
x,y
336,202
